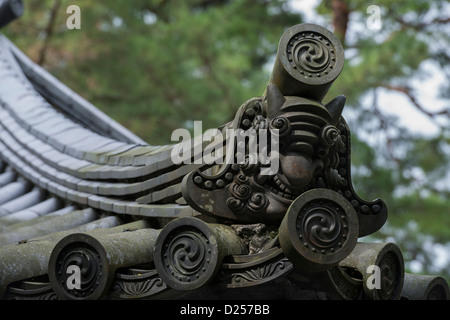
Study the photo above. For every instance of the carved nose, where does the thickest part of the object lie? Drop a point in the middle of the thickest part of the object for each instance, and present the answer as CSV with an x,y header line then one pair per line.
x,y
297,170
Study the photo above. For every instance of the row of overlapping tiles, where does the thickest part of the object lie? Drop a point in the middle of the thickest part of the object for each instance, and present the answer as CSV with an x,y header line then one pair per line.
x,y
59,176
27,211
32,221
59,155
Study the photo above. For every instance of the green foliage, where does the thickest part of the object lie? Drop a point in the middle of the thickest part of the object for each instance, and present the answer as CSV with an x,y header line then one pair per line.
x,y
432,213
370,179
153,65
410,172
157,65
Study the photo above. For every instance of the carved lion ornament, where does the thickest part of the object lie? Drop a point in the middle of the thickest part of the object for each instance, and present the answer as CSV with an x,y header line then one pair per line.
x,y
307,143
288,143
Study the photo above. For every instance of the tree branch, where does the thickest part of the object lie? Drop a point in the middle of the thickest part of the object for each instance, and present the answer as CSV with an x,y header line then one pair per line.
x,y
422,25
49,31
408,92
340,18
384,125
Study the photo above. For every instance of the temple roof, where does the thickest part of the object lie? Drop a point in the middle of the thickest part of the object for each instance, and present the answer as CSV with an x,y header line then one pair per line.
x,y
56,142
77,188
66,166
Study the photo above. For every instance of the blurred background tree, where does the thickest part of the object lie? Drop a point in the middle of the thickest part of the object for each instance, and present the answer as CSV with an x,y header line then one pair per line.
x,y
158,65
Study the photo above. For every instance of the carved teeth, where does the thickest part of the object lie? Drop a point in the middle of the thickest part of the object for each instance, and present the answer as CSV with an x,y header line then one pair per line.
x,y
281,189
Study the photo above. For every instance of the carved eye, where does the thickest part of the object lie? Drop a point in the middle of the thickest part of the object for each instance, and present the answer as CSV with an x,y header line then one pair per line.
x,y
281,124
257,107
329,135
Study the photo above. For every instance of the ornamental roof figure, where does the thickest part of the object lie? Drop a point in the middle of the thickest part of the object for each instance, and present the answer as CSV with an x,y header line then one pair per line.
x,y
90,211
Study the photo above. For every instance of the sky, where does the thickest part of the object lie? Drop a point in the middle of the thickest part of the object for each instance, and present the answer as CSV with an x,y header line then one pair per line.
x,y
426,89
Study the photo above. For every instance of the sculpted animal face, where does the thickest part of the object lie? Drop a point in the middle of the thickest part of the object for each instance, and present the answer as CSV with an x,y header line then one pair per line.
x,y
306,148
307,145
